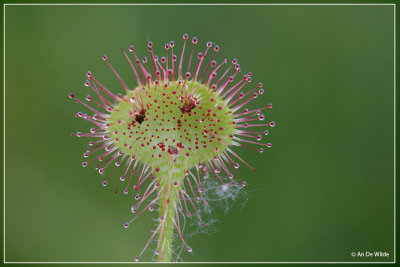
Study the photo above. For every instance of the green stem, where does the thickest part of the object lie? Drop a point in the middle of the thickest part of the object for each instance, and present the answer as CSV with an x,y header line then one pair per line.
x,y
168,200
166,245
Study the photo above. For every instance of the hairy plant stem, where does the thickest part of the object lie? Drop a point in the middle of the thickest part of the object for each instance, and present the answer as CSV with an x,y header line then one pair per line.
x,y
172,178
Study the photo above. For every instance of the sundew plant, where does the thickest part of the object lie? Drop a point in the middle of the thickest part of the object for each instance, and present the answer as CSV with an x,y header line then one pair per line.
x,y
166,137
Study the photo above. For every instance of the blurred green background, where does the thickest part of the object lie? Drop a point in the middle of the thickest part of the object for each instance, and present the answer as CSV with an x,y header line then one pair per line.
x,y
325,188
